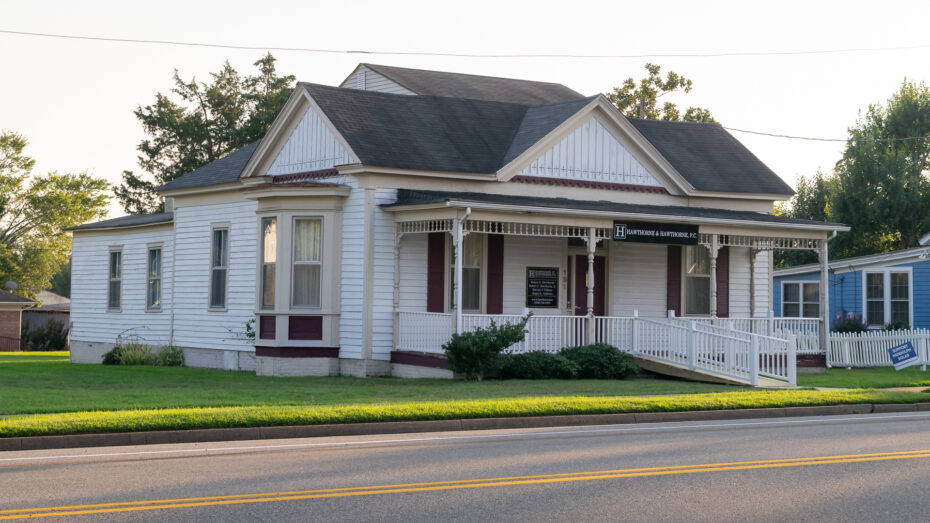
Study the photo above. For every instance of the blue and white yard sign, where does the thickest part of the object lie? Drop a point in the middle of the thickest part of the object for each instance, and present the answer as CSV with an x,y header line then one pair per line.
x,y
903,355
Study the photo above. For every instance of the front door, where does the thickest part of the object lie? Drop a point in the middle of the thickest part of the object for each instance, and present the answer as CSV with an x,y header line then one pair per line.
x,y
581,285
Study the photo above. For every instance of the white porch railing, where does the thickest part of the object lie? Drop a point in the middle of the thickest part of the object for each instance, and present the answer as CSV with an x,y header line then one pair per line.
x,y
805,330
870,349
696,345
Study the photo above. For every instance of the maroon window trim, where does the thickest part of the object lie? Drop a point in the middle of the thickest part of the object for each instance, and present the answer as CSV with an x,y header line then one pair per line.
x,y
435,272
723,282
305,327
673,287
495,274
266,327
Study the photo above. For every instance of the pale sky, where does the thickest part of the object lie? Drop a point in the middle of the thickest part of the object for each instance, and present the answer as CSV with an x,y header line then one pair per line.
x,y
74,99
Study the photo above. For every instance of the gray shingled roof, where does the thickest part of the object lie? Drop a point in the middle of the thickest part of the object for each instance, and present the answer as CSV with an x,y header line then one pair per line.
x,y
412,197
133,220
475,87
225,170
435,133
9,297
710,158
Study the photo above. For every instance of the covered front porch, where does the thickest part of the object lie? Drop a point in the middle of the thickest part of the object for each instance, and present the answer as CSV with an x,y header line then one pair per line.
x,y
691,290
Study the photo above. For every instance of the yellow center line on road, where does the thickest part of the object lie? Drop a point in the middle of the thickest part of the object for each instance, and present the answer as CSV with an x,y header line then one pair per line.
x,y
265,497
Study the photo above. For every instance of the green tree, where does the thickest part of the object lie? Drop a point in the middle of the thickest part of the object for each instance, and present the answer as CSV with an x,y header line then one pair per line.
x,y
811,201
641,99
33,212
882,188
207,122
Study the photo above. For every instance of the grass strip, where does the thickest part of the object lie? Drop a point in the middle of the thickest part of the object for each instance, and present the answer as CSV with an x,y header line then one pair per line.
x,y
255,416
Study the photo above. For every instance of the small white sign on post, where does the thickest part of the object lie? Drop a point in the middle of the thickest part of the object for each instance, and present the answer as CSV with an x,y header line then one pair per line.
x,y
903,355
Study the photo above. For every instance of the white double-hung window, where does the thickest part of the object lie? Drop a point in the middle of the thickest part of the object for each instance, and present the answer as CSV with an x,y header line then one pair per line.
x,y
308,262
153,284
887,297
800,299
697,280
115,282
269,258
471,273
219,267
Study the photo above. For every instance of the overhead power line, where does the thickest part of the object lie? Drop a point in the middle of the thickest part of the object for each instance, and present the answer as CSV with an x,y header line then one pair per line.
x,y
813,139
468,55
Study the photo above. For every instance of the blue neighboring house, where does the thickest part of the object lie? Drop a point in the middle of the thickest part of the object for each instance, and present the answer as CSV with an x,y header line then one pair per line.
x,y
876,289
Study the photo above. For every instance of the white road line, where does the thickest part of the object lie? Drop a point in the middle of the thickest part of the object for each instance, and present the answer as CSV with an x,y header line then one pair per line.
x,y
606,429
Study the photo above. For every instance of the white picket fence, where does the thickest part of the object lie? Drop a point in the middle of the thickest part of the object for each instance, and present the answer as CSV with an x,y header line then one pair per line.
x,y
712,348
870,349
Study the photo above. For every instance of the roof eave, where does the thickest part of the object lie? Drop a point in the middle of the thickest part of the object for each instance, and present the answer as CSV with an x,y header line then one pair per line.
x,y
826,227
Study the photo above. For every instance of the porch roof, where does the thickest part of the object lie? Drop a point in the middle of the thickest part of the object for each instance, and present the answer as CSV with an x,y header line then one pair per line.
x,y
407,198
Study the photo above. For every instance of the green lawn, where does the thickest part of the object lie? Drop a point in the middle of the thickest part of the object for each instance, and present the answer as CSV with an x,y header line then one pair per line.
x,y
45,382
879,377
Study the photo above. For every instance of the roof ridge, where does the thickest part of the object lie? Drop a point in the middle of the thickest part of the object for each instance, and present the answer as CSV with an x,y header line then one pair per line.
x,y
374,66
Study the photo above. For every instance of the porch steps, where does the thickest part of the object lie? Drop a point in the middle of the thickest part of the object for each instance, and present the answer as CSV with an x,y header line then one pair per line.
x,y
679,371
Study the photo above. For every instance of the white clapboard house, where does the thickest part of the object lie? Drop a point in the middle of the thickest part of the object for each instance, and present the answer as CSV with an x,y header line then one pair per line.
x,y
378,217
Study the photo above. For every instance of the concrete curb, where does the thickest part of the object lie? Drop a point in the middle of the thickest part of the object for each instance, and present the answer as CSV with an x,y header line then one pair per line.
x,y
401,427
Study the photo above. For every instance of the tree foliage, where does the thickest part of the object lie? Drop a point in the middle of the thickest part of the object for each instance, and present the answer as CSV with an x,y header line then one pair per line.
x,y
880,186
641,99
33,212
202,122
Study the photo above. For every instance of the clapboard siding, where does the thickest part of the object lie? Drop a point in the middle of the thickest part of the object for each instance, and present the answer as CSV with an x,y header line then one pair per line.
x,y
412,280
195,325
521,252
382,275
763,294
353,272
638,279
591,153
739,282
311,146
368,80
89,280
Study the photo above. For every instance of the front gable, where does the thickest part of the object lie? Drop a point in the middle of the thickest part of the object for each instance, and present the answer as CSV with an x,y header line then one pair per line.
x,y
311,146
301,139
597,145
591,153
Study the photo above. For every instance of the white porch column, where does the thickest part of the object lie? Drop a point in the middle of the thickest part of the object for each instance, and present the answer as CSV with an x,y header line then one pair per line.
x,y
396,330
824,299
752,282
712,250
459,236
592,246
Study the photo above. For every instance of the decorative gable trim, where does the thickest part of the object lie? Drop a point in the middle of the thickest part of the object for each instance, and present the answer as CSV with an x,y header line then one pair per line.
x,y
621,130
591,153
290,117
538,180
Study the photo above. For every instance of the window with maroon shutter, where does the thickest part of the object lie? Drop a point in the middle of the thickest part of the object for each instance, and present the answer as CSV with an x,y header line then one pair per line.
x,y
495,303
435,271
723,282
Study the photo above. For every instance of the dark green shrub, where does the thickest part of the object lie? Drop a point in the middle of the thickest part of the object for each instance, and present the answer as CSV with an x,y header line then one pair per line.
x,y
848,325
601,361
897,326
474,353
171,356
113,356
537,365
52,336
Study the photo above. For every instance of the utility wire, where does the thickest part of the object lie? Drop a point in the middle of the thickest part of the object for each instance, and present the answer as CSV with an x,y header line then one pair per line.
x,y
469,55
812,139
526,55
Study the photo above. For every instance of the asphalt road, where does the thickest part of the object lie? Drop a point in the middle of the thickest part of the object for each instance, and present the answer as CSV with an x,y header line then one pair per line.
x,y
851,468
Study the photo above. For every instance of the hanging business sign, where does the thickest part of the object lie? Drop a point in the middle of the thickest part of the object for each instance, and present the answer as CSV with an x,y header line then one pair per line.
x,y
542,287
903,355
650,232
